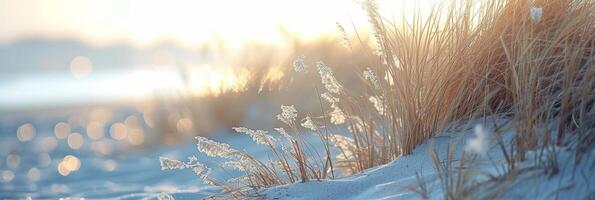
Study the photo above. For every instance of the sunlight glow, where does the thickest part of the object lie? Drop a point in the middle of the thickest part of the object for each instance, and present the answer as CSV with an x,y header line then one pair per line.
x,y
209,80
189,22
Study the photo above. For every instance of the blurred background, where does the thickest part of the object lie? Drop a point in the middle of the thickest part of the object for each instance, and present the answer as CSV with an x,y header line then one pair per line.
x,y
93,92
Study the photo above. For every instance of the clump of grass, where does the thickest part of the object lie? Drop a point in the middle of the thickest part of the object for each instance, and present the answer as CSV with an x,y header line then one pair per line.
x,y
531,61
292,160
536,58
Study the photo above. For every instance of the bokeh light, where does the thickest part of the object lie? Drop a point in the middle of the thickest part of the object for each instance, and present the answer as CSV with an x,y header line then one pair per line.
x,y
34,174
13,161
81,67
7,176
75,140
110,165
136,137
184,125
132,121
26,132
63,170
61,130
118,131
69,164
149,116
95,130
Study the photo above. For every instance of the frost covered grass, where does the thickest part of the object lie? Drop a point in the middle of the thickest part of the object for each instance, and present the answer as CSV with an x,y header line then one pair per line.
x,y
292,159
528,61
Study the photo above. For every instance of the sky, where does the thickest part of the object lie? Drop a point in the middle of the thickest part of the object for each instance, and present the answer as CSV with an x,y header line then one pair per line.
x,y
143,22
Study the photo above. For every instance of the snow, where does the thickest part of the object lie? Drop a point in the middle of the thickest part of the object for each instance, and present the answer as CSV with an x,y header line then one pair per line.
x,y
137,175
391,181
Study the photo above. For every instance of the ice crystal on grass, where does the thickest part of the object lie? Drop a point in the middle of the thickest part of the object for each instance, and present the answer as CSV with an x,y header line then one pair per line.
x,y
238,180
258,136
208,147
309,124
216,149
370,76
203,172
328,78
374,19
233,165
377,103
165,196
168,164
287,137
536,13
197,167
288,114
240,165
479,144
329,97
299,65
343,36
284,134
337,115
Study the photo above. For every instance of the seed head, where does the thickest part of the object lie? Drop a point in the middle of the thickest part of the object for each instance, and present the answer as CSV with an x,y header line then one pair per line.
x,y
328,78
299,65
309,124
288,114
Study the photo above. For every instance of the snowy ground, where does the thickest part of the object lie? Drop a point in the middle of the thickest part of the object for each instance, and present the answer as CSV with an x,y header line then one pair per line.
x,y
391,181
126,174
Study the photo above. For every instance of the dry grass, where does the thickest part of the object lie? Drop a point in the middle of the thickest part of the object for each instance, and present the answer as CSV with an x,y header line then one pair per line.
x,y
472,60
477,59
465,59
